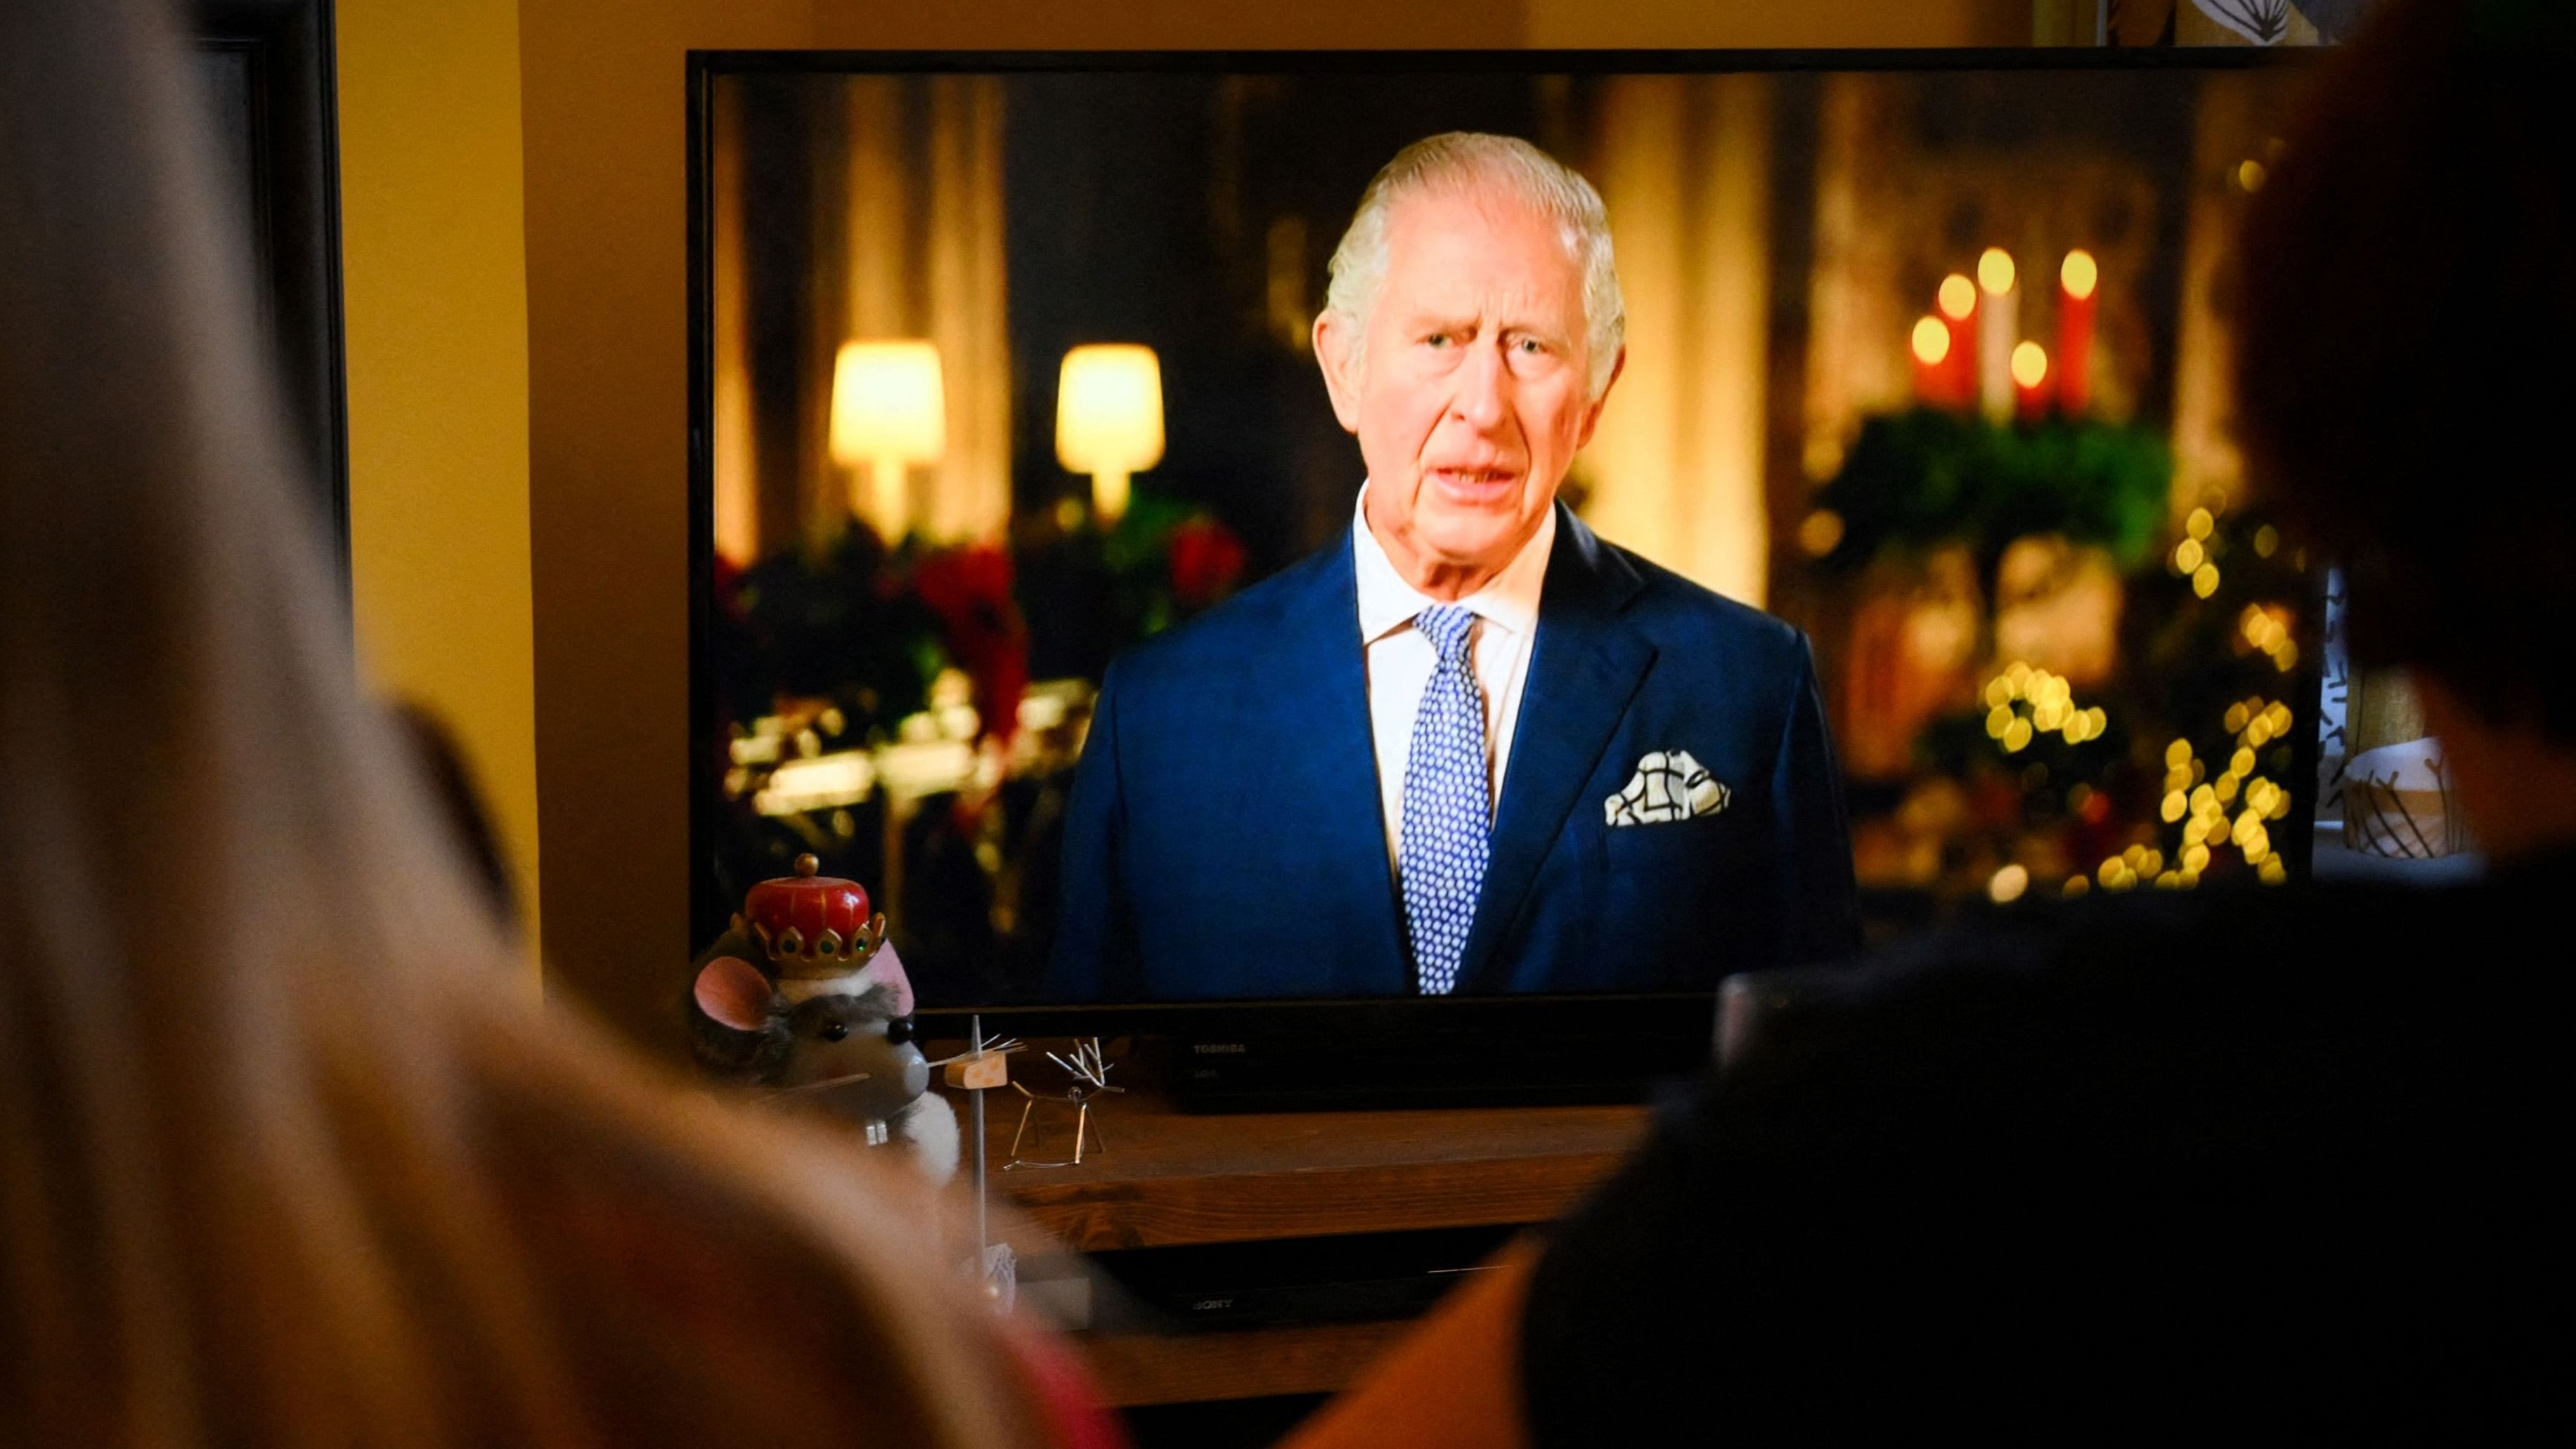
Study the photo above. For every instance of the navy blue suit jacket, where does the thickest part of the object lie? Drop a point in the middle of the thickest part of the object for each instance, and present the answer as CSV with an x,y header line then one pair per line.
x,y
1226,838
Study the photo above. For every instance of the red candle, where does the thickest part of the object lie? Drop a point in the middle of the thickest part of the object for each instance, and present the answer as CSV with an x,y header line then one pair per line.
x,y
2077,281
1958,309
2030,382
1931,347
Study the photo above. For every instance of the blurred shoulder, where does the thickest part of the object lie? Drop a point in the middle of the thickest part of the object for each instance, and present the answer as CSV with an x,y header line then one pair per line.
x,y
708,1270
2098,941
2157,1101
2209,995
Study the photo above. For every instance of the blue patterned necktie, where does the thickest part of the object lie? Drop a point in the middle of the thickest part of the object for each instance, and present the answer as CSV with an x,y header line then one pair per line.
x,y
1448,817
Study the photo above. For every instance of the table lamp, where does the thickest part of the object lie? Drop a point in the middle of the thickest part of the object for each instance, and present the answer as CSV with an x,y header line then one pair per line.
x,y
1109,419
889,411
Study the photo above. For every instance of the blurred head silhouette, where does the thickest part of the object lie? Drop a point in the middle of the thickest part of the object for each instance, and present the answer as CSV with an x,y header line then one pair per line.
x,y
2408,292
290,1157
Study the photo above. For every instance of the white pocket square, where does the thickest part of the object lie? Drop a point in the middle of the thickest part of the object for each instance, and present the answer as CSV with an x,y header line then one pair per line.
x,y
1669,785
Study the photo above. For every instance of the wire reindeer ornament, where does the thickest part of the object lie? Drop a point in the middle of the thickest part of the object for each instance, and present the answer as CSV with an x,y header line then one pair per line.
x,y
2262,22
1090,1073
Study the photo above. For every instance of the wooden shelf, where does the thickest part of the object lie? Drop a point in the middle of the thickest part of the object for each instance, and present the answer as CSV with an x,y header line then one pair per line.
x,y
1243,1363
1167,1178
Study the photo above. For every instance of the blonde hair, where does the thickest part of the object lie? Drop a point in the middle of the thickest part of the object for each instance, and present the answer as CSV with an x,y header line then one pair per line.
x,y
290,1159
1462,161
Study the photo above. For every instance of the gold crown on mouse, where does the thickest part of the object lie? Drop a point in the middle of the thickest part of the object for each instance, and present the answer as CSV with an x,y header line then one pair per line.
x,y
811,925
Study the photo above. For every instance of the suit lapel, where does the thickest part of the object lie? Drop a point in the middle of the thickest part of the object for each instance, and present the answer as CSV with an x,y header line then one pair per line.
x,y
1326,680
1586,666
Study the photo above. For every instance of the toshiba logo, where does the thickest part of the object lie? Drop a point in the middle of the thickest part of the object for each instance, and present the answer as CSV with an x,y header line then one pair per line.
x,y
1217,1048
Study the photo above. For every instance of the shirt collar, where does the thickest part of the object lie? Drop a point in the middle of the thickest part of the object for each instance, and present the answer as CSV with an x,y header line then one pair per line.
x,y
1387,602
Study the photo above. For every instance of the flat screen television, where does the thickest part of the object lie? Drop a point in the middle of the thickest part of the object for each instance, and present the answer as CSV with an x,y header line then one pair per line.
x,y
1006,382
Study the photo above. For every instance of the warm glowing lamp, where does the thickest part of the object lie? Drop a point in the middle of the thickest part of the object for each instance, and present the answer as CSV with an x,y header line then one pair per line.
x,y
1109,419
889,411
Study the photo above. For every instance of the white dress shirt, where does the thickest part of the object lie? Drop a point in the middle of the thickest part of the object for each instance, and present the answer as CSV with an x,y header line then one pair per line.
x,y
1400,659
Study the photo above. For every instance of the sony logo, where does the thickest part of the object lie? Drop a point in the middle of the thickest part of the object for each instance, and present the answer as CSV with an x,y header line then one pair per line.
x,y
1217,1048
1206,1304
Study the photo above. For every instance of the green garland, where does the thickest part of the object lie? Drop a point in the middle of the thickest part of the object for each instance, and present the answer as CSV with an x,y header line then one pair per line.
x,y
1919,479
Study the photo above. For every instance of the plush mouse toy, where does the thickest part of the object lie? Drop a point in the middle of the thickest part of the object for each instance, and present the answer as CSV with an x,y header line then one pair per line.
x,y
805,995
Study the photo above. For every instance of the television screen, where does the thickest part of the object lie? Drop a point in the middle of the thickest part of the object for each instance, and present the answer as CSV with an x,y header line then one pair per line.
x,y
1800,506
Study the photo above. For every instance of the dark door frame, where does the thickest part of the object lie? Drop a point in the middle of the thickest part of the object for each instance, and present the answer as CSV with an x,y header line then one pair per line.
x,y
295,220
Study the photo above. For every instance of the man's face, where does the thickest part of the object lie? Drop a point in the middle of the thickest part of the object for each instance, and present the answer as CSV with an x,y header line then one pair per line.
x,y
1470,401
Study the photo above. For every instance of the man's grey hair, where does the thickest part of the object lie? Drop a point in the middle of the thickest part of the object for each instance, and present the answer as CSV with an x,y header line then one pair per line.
x,y
1465,161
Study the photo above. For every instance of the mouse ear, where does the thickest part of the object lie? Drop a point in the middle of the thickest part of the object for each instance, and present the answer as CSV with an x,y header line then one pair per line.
x,y
734,992
885,969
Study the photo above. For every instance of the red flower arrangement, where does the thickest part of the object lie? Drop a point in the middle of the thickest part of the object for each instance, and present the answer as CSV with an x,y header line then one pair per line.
x,y
1206,560
969,589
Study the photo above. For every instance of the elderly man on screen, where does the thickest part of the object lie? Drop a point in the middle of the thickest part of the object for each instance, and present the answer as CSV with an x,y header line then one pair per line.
x,y
1471,746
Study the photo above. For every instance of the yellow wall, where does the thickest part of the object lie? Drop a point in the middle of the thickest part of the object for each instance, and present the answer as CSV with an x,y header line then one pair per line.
x,y
434,265
607,355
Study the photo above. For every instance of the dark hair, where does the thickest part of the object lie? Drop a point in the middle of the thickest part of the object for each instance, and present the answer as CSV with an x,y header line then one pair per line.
x,y
460,804
2409,345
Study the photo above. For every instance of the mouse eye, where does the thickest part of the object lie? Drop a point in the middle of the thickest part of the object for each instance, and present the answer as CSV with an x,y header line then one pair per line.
x,y
899,1030
835,1031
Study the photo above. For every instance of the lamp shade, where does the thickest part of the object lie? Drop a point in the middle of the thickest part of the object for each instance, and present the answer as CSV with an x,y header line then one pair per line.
x,y
1109,409
889,404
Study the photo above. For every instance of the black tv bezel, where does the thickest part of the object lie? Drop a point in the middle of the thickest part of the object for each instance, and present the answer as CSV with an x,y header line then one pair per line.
x,y
1645,1016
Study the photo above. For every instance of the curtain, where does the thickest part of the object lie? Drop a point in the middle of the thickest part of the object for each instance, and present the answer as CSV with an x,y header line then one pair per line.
x,y
924,257
1676,469
849,209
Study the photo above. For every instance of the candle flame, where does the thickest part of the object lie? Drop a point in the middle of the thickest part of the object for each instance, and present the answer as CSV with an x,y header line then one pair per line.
x,y
1958,297
1931,341
2029,364
1995,271
2080,274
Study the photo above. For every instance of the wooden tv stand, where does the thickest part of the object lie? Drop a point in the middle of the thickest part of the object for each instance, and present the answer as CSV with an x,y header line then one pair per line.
x,y
1167,1179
